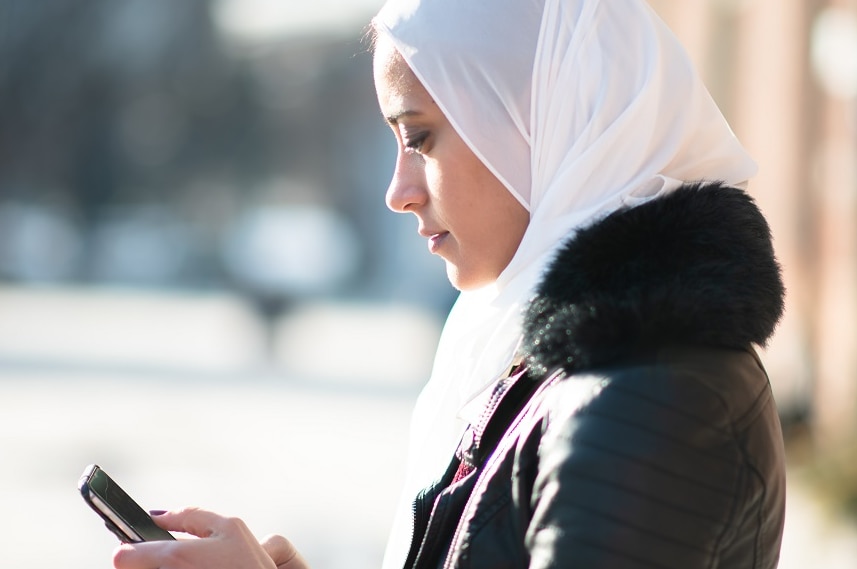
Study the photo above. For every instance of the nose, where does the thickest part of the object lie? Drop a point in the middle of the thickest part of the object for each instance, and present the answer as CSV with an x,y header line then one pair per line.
x,y
407,189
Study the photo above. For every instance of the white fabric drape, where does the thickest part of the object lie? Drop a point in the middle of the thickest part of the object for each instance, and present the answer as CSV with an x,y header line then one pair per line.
x,y
578,107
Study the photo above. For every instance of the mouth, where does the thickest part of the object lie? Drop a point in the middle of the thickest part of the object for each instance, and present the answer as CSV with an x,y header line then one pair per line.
x,y
435,241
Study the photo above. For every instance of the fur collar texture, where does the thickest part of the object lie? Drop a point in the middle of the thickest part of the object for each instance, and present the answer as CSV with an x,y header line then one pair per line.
x,y
695,267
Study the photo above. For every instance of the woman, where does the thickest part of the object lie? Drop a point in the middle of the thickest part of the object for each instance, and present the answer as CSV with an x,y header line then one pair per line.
x,y
596,400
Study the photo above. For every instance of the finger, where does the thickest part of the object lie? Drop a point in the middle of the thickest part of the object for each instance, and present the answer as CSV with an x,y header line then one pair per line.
x,y
196,521
283,553
278,548
296,562
142,555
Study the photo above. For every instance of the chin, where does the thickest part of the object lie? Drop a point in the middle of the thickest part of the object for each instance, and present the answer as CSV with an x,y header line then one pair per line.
x,y
464,281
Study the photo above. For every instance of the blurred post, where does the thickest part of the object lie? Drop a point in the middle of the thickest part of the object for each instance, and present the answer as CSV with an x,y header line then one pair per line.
x,y
776,118
833,158
761,62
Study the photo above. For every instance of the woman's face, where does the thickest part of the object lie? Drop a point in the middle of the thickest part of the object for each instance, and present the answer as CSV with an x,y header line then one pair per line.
x,y
468,216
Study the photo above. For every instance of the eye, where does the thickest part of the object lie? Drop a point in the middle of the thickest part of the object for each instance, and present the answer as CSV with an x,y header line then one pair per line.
x,y
415,143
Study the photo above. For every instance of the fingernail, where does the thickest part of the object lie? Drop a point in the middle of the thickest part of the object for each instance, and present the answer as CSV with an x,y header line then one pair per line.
x,y
157,512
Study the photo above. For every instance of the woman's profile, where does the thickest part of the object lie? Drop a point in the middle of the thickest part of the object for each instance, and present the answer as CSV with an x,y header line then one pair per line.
x,y
596,398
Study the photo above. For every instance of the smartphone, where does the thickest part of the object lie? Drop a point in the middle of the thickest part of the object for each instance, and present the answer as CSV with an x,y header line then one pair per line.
x,y
122,515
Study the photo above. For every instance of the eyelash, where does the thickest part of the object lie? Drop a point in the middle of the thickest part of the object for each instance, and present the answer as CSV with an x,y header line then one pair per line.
x,y
416,143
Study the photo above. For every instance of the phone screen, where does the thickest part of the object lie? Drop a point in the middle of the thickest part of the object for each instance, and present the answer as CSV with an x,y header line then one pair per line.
x,y
122,515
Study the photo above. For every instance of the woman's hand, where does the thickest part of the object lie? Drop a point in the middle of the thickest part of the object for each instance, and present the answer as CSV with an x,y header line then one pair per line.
x,y
225,543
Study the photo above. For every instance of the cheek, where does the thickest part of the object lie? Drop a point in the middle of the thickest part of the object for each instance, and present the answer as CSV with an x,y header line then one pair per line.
x,y
436,179
458,180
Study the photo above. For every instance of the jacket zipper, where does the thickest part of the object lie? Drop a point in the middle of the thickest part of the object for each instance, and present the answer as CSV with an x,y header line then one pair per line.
x,y
421,509
490,461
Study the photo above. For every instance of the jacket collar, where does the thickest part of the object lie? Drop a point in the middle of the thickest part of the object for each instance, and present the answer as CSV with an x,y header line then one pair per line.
x,y
693,267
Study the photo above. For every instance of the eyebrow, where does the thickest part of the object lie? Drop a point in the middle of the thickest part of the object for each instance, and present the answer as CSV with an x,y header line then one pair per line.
x,y
394,118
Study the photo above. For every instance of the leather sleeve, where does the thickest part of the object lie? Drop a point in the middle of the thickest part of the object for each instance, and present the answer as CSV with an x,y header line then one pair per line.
x,y
642,471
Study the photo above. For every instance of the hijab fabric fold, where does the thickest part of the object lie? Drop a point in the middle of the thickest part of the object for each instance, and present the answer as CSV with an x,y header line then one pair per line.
x,y
579,107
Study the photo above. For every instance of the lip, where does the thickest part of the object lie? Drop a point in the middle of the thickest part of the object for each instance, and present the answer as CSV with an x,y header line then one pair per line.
x,y
435,239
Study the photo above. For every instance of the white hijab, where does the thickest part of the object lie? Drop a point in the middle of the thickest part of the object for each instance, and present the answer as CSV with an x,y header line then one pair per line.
x,y
579,107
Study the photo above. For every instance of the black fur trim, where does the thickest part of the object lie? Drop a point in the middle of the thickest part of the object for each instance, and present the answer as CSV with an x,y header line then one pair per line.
x,y
693,267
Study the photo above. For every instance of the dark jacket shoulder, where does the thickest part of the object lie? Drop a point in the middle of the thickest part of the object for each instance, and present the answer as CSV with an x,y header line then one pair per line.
x,y
672,460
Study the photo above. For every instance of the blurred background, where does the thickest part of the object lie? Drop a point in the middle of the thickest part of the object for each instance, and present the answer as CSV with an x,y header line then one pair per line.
x,y
201,289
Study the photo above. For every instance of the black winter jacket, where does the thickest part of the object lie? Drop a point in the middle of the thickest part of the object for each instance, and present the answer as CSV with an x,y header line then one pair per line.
x,y
641,431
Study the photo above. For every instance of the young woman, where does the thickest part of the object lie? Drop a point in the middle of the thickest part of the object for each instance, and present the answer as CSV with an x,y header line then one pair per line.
x,y
596,399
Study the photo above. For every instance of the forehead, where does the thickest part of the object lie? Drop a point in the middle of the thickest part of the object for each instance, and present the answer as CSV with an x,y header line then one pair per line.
x,y
395,82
